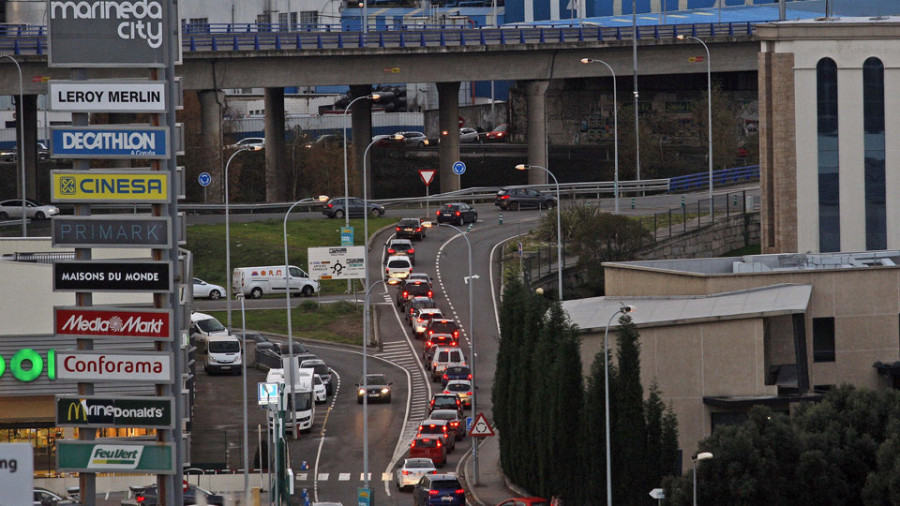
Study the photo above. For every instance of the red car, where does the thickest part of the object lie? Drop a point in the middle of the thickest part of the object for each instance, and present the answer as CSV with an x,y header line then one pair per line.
x,y
499,134
429,448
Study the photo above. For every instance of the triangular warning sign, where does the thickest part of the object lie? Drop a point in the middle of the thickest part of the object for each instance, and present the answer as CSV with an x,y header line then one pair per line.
x,y
481,427
427,175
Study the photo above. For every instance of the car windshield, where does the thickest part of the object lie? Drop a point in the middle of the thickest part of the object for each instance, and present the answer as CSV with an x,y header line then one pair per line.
x,y
419,464
408,222
210,325
426,443
375,379
444,415
224,347
431,428
442,326
399,264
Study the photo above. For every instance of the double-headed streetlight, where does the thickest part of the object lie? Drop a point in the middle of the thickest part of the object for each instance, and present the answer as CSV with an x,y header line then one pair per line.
x,y
228,230
694,460
559,257
615,129
21,141
240,297
287,295
622,310
470,281
709,116
373,97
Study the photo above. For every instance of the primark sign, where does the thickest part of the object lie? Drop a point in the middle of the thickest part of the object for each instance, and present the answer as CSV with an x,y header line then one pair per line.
x,y
121,231
109,33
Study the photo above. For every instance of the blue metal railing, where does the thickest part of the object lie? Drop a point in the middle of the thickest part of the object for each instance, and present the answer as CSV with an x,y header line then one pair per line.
x,y
720,177
32,39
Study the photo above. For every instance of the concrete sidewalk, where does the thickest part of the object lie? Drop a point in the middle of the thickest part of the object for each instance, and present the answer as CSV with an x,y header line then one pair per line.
x,y
492,487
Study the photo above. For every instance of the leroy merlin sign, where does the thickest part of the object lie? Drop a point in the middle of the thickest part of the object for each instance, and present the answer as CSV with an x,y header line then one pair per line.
x,y
118,456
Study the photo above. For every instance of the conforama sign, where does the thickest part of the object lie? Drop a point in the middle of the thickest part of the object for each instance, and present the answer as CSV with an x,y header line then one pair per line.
x,y
113,322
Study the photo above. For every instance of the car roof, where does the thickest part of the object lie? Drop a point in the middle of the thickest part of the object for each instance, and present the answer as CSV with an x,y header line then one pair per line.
x,y
434,421
421,460
444,412
398,257
400,240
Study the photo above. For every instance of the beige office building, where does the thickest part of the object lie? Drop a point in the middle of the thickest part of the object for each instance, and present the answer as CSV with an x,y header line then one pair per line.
x,y
719,335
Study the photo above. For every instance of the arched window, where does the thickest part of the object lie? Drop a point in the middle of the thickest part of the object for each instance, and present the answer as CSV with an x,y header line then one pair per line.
x,y
829,180
873,135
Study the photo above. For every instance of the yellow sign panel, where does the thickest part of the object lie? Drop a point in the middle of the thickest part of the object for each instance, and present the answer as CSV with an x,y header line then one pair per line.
x,y
110,186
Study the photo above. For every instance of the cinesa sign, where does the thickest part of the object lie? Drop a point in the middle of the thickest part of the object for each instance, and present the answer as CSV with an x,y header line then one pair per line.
x,y
113,322
100,366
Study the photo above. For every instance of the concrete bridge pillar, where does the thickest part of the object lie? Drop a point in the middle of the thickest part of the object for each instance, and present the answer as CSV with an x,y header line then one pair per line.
x,y
211,147
361,135
277,187
448,121
536,136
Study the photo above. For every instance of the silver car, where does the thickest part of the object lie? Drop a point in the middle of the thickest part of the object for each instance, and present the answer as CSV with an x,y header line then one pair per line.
x,y
12,208
412,470
204,290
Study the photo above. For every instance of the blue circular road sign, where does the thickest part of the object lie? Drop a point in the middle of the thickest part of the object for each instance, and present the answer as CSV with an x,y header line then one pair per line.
x,y
204,178
459,168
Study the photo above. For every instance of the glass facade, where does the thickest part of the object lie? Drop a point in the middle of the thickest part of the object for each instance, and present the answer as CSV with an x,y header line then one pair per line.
x,y
829,177
873,121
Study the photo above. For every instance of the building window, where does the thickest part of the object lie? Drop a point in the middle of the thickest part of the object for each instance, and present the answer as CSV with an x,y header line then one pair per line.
x,y
829,187
197,25
309,19
873,135
287,21
823,339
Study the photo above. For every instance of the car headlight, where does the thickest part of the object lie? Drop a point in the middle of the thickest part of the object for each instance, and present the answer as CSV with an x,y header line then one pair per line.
x,y
385,390
362,391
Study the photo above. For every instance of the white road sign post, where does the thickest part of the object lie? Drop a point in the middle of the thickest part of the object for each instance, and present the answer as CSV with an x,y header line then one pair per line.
x,y
341,262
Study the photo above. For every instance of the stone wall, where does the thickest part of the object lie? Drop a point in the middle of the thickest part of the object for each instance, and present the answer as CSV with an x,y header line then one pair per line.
x,y
713,240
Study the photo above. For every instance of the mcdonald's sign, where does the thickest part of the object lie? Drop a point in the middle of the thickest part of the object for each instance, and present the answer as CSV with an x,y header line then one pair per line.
x,y
92,411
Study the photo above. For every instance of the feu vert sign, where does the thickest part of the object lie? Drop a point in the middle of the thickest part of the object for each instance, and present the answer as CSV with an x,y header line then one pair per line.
x,y
115,456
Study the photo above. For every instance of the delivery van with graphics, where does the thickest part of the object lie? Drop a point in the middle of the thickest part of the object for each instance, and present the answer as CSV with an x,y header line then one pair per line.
x,y
254,282
223,355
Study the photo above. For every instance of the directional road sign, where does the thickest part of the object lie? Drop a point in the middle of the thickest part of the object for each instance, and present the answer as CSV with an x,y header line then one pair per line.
x,y
459,168
204,179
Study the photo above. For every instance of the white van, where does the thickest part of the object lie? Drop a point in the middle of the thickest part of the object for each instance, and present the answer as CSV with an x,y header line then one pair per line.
x,y
305,412
223,355
203,326
254,282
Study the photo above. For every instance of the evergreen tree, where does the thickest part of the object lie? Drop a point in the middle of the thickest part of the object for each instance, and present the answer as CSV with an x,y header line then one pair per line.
x,y
627,419
511,335
653,413
568,398
593,457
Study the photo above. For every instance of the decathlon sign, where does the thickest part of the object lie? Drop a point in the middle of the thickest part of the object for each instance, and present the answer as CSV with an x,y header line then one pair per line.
x,y
95,411
121,231
93,96
124,275
115,456
106,33
113,322
103,366
144,142
145,186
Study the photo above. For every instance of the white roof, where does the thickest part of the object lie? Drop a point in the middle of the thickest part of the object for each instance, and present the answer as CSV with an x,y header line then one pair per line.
x,y
594,313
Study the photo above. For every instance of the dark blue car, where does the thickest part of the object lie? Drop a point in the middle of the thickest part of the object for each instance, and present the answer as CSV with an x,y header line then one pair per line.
x,y
439,489
456,372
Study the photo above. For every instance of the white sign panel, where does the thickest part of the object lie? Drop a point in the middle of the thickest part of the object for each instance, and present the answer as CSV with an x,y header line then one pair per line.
x,y
99,366
341,262
102,96
16,473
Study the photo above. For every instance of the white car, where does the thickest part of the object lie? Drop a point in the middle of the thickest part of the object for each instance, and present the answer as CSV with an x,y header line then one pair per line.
x,y
467,134
12,208
321,394
250,142
204,290
397,268
412,471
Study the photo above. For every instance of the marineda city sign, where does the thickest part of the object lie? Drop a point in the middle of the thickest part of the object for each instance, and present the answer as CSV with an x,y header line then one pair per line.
x,y
107,33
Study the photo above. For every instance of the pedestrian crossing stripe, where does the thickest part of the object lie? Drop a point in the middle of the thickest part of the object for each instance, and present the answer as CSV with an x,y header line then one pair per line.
x,y
342,476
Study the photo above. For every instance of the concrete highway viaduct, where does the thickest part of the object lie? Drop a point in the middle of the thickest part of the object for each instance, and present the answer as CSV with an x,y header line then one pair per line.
x,y
533,63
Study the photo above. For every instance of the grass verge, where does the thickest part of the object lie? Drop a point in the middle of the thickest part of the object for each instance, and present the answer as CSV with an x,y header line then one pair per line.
x,y
339,322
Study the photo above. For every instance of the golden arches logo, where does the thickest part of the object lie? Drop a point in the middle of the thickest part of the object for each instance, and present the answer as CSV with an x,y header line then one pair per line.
x,y
79,409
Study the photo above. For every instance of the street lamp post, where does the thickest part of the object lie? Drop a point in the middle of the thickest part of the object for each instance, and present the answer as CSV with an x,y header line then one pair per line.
x,y
709,117
470,282
365,185
694,460
21,141
228,231
559,257
373,97
615,130
240,297
287,295
365,380
622,310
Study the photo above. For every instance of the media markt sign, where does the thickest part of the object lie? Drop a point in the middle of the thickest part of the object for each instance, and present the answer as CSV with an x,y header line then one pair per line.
x,y
113,322
105,33
94,411
120,457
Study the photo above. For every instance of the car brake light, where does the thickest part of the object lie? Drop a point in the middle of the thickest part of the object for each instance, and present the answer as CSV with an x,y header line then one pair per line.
x,y
398,229
438,442
139,498
391,251
504,197
405,472
455,333
413,444
460,491
410,251
430,294
457,213
437,213
405,294
470,376
433,492
446,377
419,229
